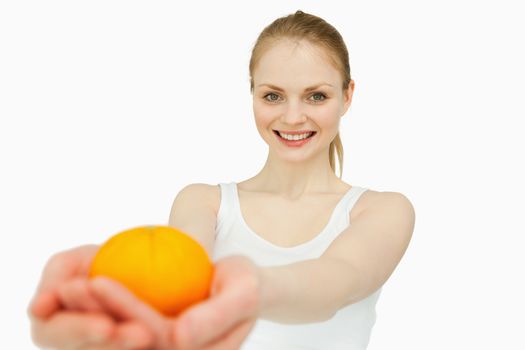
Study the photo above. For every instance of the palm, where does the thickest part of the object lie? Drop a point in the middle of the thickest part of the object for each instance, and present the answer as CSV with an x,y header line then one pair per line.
x,y
226,318
65,313
222,321
65,294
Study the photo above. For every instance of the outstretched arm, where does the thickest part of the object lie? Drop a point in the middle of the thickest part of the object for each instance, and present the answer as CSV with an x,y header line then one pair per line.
x,y
356,264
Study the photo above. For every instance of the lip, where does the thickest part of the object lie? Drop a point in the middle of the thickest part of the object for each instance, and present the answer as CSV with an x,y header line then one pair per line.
x,y
293,143
295,132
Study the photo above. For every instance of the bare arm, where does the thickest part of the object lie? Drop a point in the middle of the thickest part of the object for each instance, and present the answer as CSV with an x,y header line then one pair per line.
x,y
356,264
193,213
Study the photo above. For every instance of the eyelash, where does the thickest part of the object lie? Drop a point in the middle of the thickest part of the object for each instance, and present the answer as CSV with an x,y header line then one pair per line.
x,y
314,94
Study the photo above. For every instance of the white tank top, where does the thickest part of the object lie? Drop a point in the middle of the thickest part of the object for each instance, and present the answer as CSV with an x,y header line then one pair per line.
x,y
348,329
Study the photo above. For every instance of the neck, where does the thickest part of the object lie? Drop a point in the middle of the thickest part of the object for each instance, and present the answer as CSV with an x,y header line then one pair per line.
x,y
292,179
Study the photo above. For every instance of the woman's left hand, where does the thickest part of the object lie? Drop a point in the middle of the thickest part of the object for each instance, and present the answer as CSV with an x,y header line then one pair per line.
x,y
221,322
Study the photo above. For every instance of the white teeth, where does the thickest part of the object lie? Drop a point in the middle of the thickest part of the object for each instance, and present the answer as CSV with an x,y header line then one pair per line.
x,y
295,137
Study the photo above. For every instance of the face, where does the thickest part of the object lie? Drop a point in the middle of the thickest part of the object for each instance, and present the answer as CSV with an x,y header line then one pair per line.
x,y
296,88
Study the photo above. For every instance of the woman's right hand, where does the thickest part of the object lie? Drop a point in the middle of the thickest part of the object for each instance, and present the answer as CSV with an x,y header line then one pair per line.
x,y
65,315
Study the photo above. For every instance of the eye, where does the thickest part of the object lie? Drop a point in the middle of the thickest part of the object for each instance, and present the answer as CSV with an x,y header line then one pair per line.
x,y
318,97
271,97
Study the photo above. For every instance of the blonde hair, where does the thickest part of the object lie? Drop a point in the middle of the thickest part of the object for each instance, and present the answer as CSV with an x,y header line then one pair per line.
x,y
304,26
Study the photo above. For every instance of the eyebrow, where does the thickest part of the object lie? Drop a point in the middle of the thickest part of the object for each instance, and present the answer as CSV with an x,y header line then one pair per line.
x,y
307,89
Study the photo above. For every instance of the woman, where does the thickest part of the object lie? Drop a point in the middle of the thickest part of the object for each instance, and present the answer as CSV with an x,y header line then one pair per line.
x,y
300,255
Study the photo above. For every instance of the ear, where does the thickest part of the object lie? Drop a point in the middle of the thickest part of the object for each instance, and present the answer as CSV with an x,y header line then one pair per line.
x,y
347,97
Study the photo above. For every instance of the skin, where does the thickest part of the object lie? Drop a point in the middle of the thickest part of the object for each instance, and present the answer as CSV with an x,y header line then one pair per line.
x,y
293,67
69,311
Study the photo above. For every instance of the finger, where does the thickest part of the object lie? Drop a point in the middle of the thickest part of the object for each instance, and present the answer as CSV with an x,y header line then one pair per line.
x,y
234,338
128,336
46,300
75,295
123,304
59,268
212,318
43,305
118,299
134,335
72,329
65,264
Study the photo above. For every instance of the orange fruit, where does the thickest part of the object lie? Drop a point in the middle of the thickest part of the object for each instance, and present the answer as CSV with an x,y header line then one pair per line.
x,y
161,265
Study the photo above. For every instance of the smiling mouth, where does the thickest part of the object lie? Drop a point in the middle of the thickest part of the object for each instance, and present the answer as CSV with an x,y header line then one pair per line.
x,y
277,133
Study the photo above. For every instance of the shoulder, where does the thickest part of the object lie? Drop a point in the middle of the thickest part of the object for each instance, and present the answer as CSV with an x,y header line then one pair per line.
x,y
387,202
193,212
375,197
207,194
372,200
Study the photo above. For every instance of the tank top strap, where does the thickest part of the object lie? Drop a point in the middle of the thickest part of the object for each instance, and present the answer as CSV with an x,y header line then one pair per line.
x,y
227,205
351,198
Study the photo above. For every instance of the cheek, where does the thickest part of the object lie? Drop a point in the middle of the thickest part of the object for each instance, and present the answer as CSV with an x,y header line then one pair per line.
x,y
263,113
326,116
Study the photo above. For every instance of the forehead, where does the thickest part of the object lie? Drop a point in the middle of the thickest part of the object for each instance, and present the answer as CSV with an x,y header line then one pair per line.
x,y
292,64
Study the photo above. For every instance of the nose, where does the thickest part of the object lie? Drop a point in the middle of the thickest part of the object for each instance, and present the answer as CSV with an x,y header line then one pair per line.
x,y
294,113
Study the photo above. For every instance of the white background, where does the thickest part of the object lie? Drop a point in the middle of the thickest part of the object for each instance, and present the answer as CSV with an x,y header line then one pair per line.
x,y
109,108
